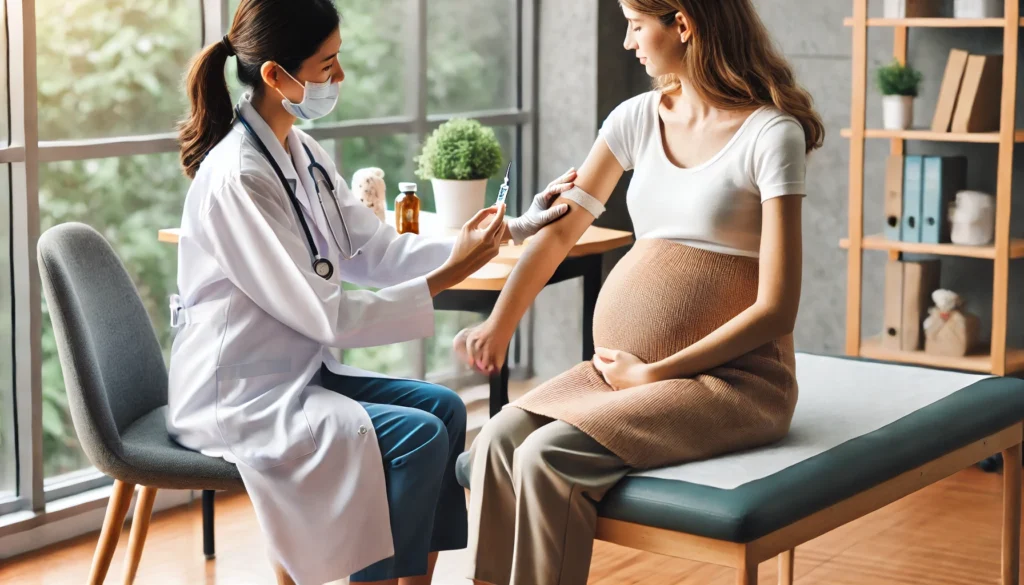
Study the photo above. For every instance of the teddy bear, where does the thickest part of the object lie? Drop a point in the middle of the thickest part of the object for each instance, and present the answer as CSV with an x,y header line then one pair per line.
x,y
369,186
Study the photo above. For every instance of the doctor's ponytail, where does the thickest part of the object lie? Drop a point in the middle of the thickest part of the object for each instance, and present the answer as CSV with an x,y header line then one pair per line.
x,y
210,113
286,32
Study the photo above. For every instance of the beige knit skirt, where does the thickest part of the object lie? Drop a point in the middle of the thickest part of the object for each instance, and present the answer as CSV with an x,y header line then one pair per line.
x,y
660,298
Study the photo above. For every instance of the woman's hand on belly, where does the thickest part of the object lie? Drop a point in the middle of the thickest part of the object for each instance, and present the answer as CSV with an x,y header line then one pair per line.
x,y
622,370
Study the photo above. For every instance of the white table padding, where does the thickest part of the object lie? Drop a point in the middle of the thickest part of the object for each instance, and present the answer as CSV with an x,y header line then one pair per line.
x,y
839,400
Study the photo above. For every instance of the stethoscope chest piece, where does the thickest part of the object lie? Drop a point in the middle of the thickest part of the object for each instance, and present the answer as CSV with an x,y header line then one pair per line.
x,y
323,268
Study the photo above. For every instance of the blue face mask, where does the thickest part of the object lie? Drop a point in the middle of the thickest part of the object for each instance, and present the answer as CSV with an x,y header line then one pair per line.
x,y
318,99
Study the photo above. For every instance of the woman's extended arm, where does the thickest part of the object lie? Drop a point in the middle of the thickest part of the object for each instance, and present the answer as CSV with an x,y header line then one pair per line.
x,y
486,344
772,315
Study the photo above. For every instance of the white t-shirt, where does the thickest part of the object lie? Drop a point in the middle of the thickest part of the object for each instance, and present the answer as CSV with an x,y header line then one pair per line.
x,y
716,205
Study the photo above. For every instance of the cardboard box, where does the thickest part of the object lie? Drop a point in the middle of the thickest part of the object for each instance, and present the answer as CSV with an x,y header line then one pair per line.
x,y
920,280
892,320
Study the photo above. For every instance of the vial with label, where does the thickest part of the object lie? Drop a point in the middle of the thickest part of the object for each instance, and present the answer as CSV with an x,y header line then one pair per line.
x,y
407,209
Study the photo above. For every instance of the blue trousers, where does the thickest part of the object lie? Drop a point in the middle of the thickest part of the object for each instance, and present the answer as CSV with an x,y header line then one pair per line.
x,y
421,430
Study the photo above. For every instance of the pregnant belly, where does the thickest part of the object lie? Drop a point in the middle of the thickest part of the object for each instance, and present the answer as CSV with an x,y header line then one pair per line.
x,y
662,297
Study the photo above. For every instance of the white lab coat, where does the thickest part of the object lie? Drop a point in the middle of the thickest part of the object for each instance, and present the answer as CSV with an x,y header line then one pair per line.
x,y
254,327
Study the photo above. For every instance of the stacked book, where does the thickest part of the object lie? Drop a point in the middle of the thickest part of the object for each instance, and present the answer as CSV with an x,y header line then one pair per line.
x,y
970,97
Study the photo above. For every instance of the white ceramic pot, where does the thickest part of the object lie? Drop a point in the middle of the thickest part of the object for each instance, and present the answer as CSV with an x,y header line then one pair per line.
x,y
897,112
978,9
458,201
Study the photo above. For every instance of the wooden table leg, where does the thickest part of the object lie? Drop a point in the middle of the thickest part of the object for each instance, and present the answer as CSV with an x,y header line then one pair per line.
x,y
591,290
499,387
1011,515
117,509
786,567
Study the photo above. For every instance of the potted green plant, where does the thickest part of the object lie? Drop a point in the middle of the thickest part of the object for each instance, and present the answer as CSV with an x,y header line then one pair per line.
x,y
458,158
898,84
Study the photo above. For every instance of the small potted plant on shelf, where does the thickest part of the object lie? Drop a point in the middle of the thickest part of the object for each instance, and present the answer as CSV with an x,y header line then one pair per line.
x,y
898,84
458,158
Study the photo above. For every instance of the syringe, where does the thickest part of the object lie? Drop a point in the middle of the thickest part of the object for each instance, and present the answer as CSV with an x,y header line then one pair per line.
x,y
503,191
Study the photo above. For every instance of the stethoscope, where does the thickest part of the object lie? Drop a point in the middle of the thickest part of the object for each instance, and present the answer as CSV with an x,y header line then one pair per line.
x,y
322,266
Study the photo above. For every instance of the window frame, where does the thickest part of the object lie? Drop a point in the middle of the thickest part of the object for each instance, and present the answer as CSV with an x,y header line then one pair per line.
x,y
26,153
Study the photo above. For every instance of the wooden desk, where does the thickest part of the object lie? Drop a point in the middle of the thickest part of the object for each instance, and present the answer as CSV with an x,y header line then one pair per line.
x,y
479,292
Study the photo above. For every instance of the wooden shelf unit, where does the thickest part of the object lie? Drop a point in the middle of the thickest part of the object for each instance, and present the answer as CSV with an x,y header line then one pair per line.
x,y
928,135
999,360
879,242
871,348
934,22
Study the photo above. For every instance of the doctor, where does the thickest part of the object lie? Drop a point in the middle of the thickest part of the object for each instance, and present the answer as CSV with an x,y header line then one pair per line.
x,y
348,471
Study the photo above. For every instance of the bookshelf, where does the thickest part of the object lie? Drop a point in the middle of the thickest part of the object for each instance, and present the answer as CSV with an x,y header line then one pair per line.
x,y
997,359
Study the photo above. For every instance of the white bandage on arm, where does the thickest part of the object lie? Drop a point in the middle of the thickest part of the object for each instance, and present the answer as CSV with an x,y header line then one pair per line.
x,y
585,200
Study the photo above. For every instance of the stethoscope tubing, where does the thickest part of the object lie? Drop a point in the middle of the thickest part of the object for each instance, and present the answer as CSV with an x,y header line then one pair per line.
x,y
318,260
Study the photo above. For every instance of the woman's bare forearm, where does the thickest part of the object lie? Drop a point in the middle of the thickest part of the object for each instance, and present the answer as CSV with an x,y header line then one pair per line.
x,y
538,263
597,177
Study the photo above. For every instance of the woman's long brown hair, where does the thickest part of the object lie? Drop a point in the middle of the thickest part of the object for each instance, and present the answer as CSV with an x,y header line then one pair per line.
x,y
731,61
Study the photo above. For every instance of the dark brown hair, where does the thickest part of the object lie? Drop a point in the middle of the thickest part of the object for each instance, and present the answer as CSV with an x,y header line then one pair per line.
x,y
286,32
732,62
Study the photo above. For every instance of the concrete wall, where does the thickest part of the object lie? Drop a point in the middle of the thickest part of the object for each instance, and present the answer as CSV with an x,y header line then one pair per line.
x,y
585,73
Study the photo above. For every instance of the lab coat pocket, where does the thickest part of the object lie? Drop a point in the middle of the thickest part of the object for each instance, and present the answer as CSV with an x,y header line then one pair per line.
x,y
259,414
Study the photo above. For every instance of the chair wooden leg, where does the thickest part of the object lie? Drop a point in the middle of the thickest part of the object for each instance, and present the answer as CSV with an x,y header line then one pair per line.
x,y
786,567
283,578
117,509
137,537
1011,515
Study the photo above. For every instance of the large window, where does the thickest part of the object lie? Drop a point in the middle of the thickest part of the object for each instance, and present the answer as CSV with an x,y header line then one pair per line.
x,y
104,85
110,68
8,469
8,444
472,56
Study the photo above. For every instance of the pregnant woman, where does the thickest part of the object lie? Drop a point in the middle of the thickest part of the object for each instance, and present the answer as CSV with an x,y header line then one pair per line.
x,y
694,326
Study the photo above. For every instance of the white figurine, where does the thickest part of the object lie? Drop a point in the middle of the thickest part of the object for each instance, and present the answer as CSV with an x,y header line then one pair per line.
x,y
369,186
945,302
950,330
973,218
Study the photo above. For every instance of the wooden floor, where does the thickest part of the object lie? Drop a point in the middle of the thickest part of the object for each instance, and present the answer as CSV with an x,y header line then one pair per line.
x,y
947,534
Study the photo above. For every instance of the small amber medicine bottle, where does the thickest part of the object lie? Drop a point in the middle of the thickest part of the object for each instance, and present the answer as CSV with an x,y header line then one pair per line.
x,y
407,210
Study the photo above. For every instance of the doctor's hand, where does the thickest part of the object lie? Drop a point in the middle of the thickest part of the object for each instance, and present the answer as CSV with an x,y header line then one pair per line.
x,y
541,213
477,244
482,347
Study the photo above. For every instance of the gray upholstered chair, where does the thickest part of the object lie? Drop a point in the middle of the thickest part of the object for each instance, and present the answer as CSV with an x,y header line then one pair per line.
x,y
117,388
